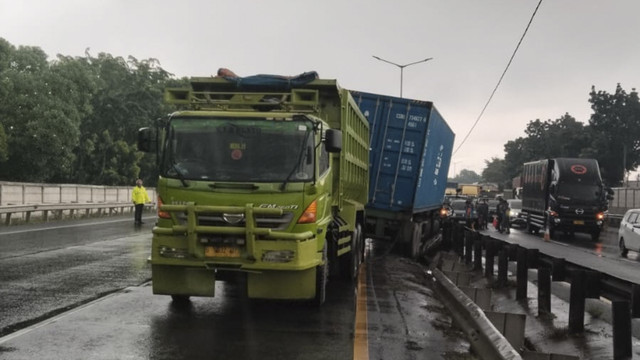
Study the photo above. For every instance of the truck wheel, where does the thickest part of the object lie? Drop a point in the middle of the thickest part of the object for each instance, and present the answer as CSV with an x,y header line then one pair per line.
x,y
322,274
413,246
595,235
623,248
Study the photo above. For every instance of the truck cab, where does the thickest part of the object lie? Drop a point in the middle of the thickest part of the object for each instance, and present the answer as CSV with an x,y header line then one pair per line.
x,y
265,184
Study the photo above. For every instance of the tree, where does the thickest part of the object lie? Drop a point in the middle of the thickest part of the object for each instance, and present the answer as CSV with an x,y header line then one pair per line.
x,y
494,172
467,177
41,125
563,137
4,148
127,95
616,124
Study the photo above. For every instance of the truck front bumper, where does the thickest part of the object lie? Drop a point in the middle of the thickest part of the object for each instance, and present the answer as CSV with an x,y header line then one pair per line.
x,y
277,264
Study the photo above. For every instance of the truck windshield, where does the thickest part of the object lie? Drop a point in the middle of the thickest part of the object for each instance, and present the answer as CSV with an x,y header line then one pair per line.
x,y
245,150
578,192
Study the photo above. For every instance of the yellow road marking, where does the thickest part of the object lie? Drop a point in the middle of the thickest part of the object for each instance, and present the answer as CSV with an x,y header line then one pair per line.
x,y
360,341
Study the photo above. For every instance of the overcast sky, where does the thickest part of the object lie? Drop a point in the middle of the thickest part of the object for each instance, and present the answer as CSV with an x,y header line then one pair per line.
x,y
571,45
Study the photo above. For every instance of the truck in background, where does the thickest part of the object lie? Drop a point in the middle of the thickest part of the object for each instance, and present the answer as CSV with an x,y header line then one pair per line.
x,y
470,190
451,189
263,180
565,194
411,147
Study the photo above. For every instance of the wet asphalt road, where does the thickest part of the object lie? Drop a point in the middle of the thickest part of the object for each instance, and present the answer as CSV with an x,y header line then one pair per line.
x,y
63,287
49,268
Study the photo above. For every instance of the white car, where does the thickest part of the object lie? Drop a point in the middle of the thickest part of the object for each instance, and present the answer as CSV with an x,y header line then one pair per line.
x,y
629,232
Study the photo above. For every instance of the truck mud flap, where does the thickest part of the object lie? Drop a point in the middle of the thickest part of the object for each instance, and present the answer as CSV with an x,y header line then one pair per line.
x,y
179,280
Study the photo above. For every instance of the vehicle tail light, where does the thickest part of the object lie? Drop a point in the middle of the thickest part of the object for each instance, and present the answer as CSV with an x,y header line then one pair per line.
x,y
310,214
162,214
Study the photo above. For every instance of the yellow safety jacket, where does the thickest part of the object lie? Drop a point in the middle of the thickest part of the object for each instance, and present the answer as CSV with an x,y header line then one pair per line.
x,y
139,195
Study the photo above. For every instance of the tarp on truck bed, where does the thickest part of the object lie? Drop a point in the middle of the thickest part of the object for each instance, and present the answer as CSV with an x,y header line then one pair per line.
x,y
411,147
265,81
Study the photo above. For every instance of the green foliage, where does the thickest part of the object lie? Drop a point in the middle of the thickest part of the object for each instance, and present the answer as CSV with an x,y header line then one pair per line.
x,y
4,148
75,119
612,137
563,137
494,172
467,177
616,140
41,124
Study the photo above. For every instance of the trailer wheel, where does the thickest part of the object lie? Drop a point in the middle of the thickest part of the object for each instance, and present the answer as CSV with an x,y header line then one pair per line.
x,y
322,275
413,246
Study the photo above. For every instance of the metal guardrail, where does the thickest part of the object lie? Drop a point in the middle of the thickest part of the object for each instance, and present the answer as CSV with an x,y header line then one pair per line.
x,y
468,244
59,209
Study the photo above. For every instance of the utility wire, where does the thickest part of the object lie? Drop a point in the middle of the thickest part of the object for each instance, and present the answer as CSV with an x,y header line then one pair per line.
x,y
500,80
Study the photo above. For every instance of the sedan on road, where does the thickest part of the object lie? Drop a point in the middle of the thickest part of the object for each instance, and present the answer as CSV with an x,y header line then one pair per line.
x,y
629,232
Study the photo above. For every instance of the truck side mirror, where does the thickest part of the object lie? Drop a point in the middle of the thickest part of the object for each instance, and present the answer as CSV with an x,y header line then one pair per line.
x,y
333,140
146,141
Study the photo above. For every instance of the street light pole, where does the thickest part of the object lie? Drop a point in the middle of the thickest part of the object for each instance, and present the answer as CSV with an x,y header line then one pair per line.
x,y
454,168
402,67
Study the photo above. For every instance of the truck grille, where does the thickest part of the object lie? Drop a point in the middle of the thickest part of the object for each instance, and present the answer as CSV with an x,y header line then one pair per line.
x,y
217,219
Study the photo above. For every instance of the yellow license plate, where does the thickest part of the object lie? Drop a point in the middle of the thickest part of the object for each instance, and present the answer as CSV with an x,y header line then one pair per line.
x,y
578,222
221,251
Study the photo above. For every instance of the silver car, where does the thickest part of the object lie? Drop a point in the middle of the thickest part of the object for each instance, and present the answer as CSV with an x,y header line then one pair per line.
x,y
629,232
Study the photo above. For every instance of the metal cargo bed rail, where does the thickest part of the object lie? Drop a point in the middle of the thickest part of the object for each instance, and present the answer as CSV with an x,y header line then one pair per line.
x,y
299,100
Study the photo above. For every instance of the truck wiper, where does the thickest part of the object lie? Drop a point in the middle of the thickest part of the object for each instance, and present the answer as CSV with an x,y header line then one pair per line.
x,y
298,162
178,171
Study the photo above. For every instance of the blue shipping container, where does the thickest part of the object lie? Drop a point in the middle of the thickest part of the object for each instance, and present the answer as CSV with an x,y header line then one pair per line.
x,y
411,147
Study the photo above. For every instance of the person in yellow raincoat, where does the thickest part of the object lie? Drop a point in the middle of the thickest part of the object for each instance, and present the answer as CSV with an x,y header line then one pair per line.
x,y
139,197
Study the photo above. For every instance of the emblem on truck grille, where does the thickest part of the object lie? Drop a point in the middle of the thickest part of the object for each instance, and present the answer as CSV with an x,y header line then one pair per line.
x,y
233,218
579,211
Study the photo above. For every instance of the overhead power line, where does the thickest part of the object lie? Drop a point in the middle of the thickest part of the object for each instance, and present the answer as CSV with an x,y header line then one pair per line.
x,y
500,80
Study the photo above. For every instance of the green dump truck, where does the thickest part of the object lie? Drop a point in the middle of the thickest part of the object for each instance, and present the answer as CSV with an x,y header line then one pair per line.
x,y
263,180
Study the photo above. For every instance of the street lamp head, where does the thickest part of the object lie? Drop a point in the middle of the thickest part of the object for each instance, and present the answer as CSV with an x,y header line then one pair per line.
x,y
401,67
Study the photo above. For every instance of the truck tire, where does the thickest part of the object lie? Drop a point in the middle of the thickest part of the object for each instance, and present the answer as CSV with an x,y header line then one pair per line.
x,y
595,235
413,246
322,275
